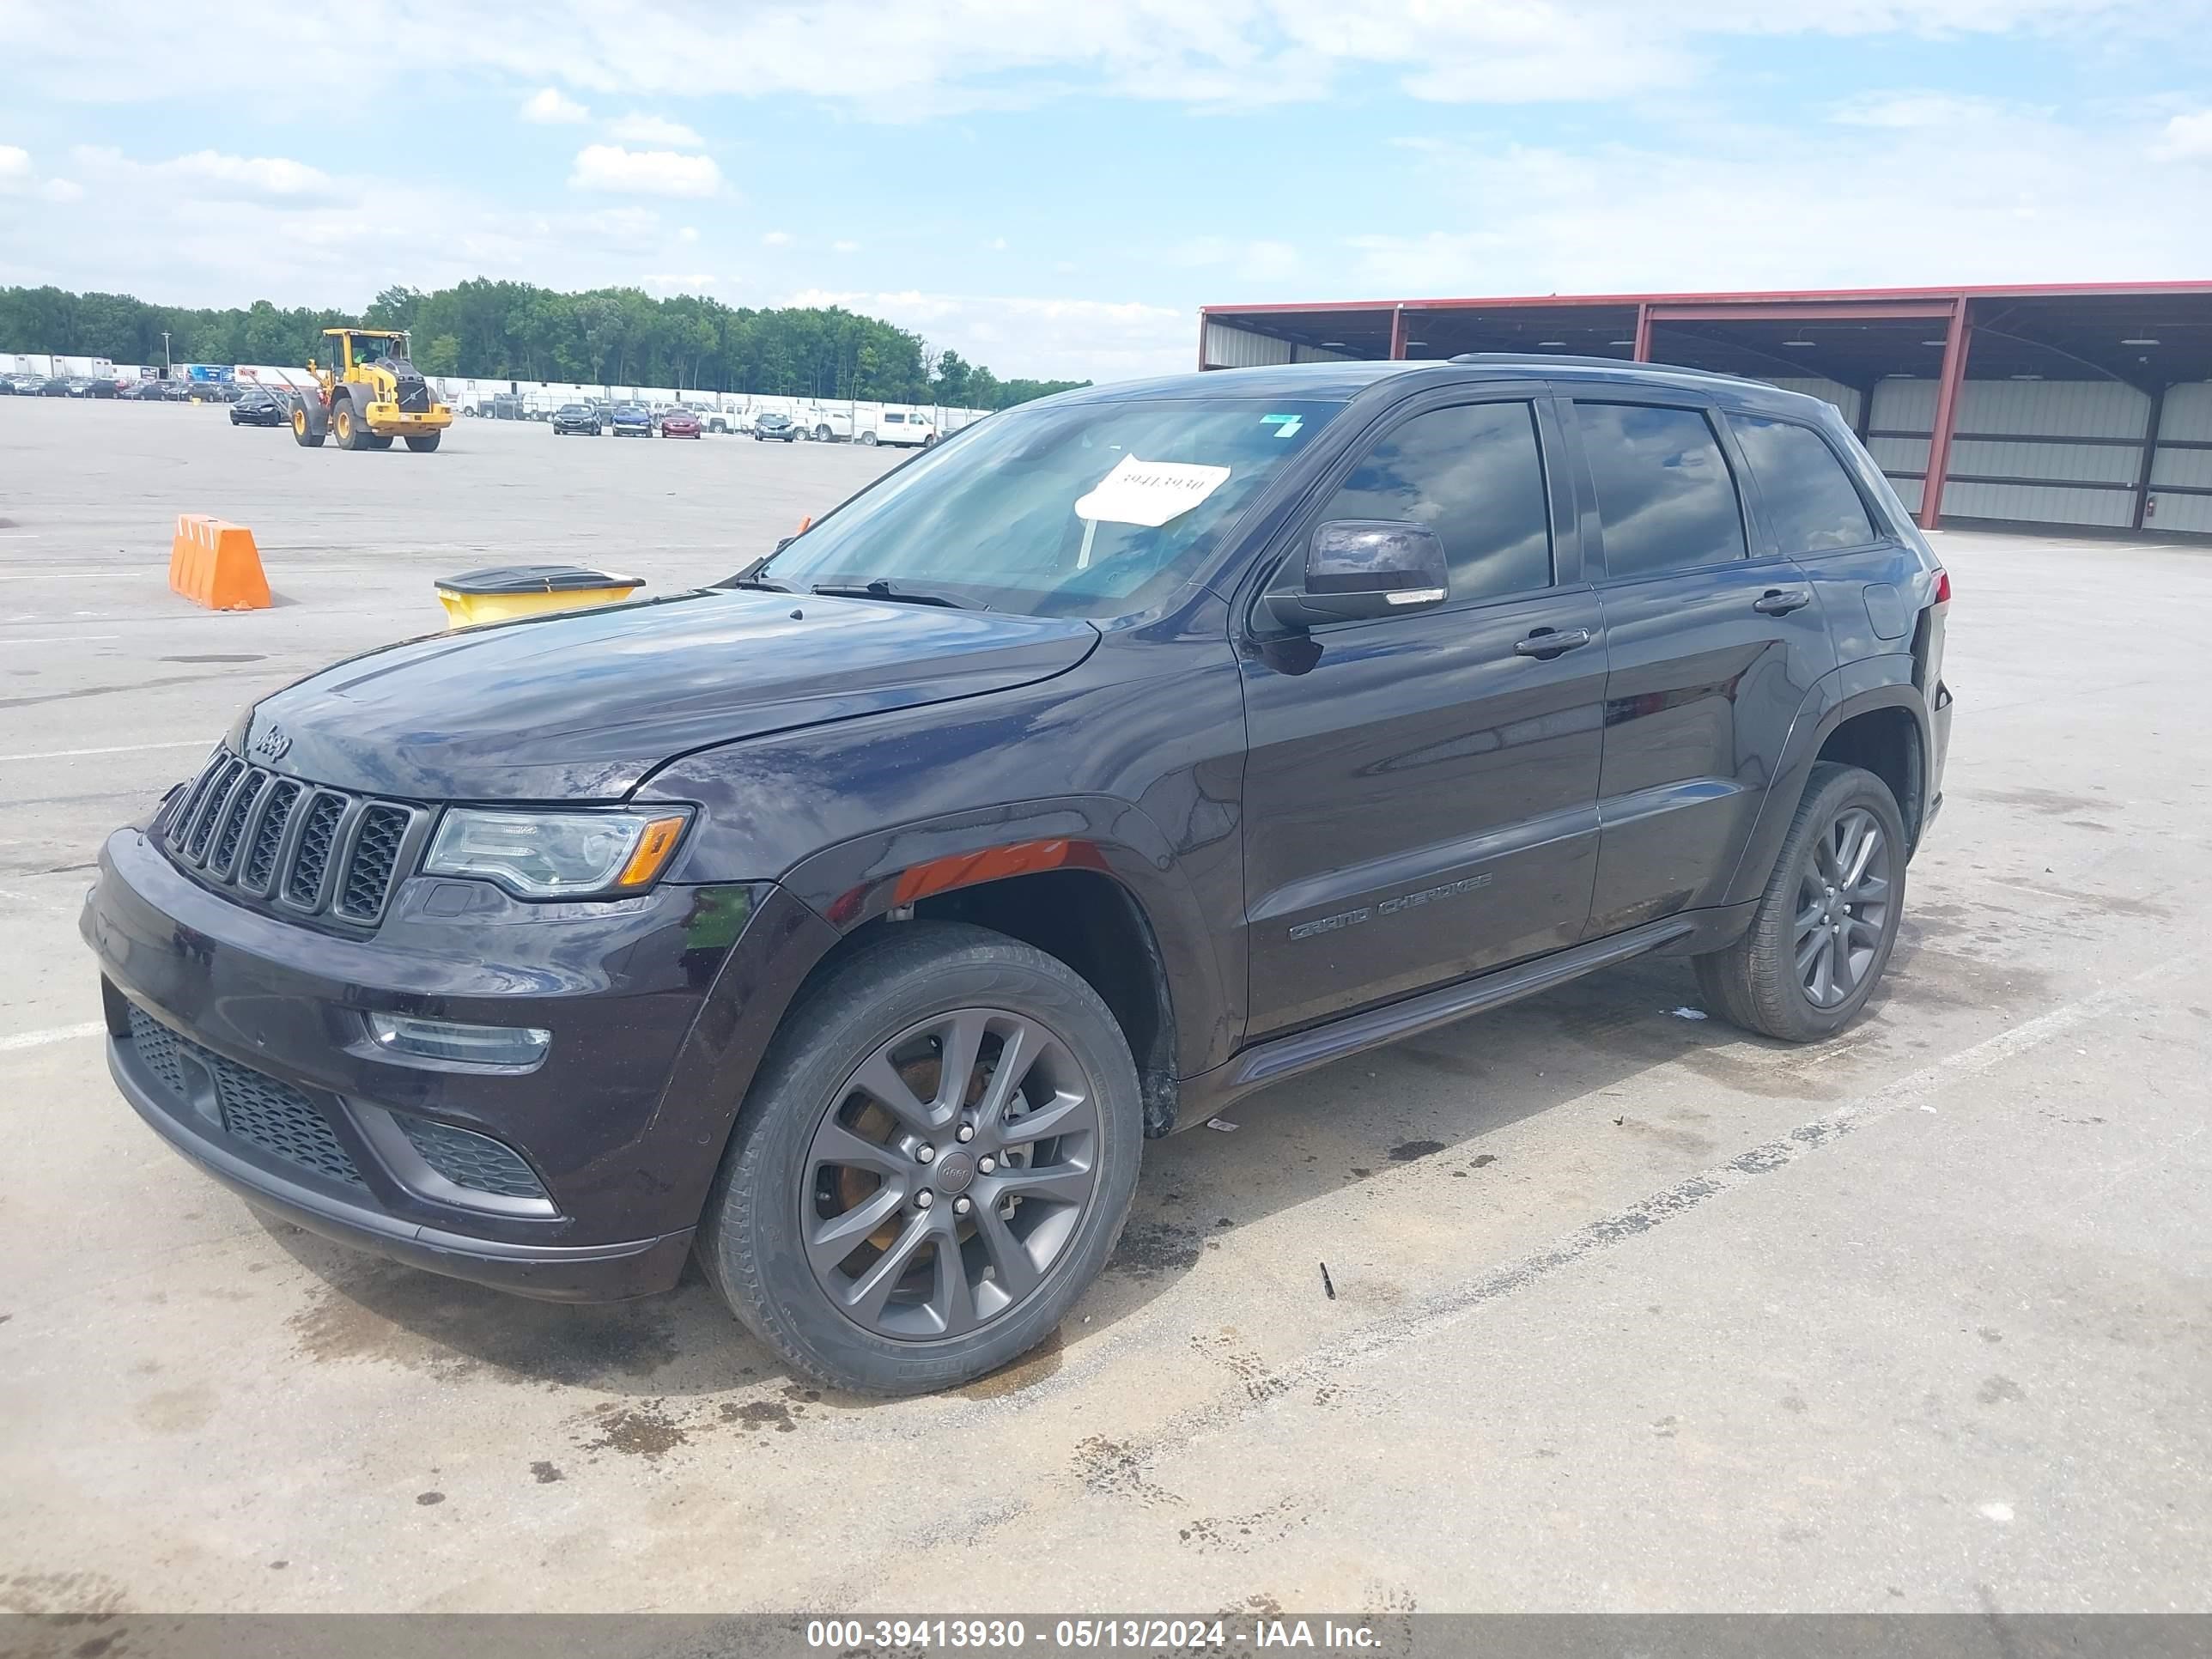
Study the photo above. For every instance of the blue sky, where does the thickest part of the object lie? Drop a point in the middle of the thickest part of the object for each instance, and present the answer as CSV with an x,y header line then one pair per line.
x,y
1054,188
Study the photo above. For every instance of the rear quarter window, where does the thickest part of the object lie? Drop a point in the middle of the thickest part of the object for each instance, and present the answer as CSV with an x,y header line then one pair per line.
x,y
1810,501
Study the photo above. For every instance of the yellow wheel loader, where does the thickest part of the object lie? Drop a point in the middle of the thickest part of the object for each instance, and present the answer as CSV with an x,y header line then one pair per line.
x,y
367,393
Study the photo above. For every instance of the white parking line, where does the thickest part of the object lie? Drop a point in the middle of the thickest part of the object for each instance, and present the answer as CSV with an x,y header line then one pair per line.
x,y
56,1034
58,639
119,749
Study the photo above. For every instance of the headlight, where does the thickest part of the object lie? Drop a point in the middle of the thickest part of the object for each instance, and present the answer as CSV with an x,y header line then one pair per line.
x,y
556,854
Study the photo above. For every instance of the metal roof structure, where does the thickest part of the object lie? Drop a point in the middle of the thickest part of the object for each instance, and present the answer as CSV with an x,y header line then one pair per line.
x,y
2147,335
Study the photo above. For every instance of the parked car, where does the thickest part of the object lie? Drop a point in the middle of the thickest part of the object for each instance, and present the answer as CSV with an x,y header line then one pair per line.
x,y
826,426
579,418
57,386
768,427
7,386
27,385
906,431
632,421
259,408
679,423
857,945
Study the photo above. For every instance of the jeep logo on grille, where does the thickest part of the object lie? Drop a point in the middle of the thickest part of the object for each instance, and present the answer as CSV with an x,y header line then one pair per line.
x,y
272,744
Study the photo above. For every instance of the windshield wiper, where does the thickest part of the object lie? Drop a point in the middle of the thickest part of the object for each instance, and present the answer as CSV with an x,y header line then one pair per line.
x,y
759,584
880,589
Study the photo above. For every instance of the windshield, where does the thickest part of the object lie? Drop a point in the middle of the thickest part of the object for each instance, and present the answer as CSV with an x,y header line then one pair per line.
x,y
1060,509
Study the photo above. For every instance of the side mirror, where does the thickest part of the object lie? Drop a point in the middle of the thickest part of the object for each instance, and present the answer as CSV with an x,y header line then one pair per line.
x,y
1358,570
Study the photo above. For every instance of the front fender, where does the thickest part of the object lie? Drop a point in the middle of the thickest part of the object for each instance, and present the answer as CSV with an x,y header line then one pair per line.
x,y
1855,689
864,877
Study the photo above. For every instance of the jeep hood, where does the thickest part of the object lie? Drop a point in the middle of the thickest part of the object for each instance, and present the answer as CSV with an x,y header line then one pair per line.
x,y
582,706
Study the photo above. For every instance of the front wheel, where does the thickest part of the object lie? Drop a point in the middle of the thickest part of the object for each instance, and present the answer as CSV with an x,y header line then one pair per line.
x,y
868,439
1828,918
934,1161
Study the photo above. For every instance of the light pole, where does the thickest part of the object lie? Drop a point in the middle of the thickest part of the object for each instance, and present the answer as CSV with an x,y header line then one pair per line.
x,y
167,367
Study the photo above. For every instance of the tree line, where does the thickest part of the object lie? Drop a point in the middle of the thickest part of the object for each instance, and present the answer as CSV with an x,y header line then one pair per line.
x,y
486,329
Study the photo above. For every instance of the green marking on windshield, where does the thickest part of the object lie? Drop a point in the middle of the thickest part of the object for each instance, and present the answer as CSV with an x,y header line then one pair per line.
x,y
1286,426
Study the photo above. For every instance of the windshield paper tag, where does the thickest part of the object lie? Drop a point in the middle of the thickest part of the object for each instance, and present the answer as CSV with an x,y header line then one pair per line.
x,y
1286,426
1149,493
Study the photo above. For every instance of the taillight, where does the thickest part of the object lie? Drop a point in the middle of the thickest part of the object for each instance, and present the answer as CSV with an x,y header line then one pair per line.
x,y
1942,588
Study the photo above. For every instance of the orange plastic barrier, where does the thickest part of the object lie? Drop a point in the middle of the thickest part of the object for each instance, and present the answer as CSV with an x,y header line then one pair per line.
x,y
216,564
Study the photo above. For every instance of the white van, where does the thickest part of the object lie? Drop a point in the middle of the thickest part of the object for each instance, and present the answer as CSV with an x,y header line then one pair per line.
x,y
906,431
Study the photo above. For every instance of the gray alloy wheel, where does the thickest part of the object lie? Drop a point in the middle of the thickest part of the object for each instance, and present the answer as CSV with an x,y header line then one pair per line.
x,y
939,1190
1828,918
933,1162
1842,904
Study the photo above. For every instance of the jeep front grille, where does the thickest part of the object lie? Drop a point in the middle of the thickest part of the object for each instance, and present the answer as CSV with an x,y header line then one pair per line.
x,y
298,848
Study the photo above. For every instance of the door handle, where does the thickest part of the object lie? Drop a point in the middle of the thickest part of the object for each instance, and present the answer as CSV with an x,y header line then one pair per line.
x,y
1781,601
1548,642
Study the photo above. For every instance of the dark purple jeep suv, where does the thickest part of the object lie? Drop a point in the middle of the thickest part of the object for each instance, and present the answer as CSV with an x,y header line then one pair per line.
x,y
852,923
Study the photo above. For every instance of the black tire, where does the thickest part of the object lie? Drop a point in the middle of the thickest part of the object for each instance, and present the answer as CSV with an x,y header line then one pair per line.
x,y
868,439
307,429
346,424
752,1239
1761,981
374,442
424,444
822,434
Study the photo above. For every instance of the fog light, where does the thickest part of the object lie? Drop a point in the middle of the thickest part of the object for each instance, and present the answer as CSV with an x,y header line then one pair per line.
x,y
466,1045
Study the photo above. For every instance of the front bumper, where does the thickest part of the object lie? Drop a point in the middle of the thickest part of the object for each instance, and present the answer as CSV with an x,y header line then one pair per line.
x,y
621,1163
390,420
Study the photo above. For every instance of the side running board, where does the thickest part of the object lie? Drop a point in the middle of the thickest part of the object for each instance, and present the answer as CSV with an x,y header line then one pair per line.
x,y
1303,1050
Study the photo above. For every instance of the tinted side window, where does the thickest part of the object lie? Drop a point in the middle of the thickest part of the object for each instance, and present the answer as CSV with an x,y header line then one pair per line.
x,y
1664,497
1802,485
1474,476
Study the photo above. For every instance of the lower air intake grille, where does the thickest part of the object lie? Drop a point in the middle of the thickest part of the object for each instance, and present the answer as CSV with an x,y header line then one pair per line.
x,y
271,1115
470,1160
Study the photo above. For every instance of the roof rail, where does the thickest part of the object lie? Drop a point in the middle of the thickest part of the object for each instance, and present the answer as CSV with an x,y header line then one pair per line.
x,y
1559,360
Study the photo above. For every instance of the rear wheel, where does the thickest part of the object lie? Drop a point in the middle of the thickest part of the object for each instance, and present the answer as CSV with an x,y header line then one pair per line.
x,y
307,426
934,1161
868,439
424,444
1828,918
822,434
374,442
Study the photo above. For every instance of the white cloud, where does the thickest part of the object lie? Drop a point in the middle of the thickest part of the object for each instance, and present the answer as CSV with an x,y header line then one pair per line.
x,y
776,239
15,167
550,107
645,172
2010,197
62,190
1042,338
1916,110
996,245
2187,138
694,282
925,56
259,175
688,234
641,128
845,246
210,174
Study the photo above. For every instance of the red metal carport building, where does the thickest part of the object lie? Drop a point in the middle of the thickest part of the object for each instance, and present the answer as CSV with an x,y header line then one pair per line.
x,y
2055,407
